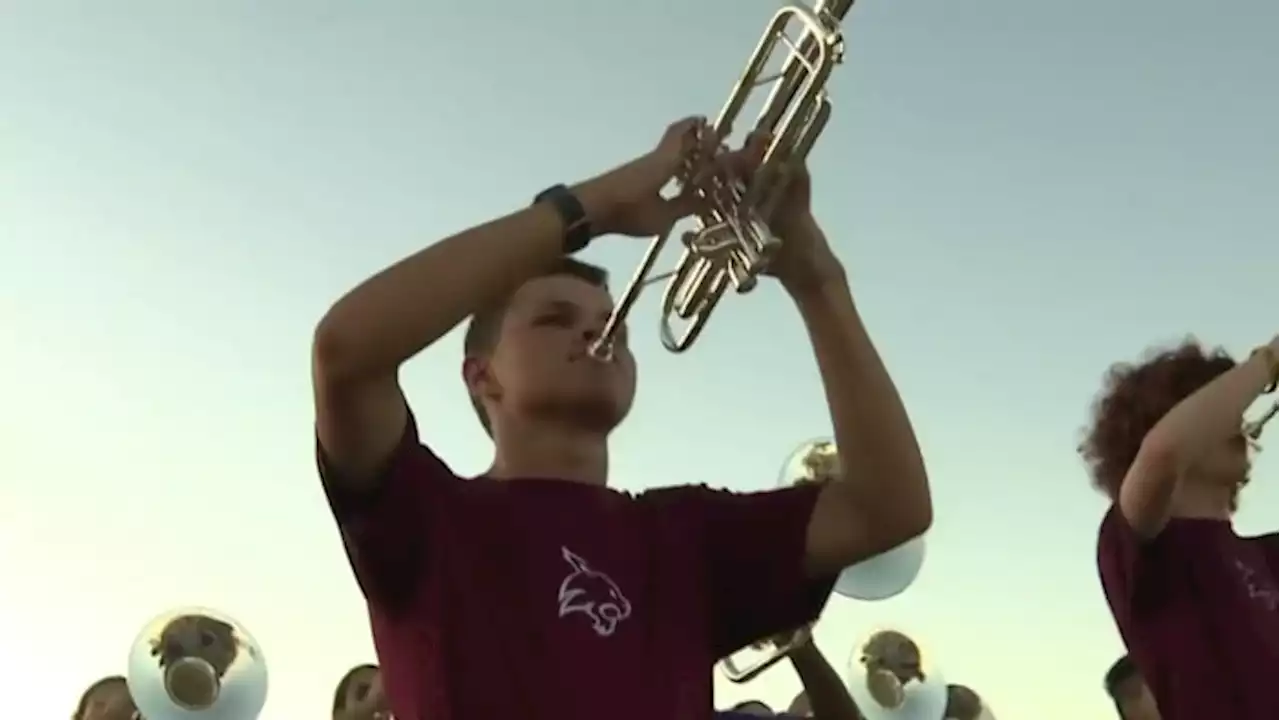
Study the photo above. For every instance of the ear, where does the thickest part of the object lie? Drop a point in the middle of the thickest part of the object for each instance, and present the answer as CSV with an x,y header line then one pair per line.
x,y
476,375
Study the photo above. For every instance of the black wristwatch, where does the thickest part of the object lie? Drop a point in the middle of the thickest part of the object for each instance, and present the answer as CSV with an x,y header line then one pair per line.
x,y
577,228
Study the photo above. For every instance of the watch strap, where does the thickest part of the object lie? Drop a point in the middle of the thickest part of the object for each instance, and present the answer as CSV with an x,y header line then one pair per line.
x,y
577,228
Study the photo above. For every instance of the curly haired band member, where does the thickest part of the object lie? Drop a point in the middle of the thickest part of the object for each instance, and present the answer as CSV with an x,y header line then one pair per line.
x,y
1190,597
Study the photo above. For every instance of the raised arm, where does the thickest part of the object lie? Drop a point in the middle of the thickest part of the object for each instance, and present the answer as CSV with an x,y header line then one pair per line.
x,y
365,337
1205,418
825,694
881,498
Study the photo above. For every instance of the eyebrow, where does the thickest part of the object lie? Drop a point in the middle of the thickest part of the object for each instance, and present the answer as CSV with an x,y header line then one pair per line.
x,y
569,306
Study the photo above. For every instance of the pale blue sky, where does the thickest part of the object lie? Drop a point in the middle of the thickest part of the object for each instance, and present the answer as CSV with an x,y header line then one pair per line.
x,y
1024,191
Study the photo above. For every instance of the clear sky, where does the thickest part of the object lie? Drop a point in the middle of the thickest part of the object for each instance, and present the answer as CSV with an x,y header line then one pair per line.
x,y
1023,192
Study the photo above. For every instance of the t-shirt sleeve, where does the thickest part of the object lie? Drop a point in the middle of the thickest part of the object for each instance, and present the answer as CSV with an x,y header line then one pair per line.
x,y
1128,565
753,547
1267,544
386,530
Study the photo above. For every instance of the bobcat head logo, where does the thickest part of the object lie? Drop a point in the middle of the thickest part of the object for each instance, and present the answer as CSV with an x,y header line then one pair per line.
x,y
591,593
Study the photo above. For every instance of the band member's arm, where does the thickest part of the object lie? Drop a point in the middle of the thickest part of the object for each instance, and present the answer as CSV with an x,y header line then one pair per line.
x,y
882,498
1206,417
367,335
827,696
382,484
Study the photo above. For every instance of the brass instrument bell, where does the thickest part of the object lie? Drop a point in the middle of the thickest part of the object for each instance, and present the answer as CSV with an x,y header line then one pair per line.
x,y
891,678
196,664
877,578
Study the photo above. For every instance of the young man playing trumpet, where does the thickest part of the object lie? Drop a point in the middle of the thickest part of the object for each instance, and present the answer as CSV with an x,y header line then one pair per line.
x,y
535,590
1194,601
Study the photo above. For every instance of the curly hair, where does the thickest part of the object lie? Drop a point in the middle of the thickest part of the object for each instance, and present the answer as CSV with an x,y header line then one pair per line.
x,y
1133,399
94,689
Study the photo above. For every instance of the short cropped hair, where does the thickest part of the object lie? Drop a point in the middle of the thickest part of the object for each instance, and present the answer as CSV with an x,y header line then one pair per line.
x,y
1121,672
83,707
344,686
1133,399
752,707
485,326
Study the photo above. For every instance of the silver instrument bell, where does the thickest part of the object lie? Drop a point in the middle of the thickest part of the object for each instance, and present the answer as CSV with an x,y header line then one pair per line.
x,y
891,678
196,664
878,578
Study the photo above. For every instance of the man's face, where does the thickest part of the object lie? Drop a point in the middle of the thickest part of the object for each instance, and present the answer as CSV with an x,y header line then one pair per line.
x,y
110,702
540,364
365,699
1135,701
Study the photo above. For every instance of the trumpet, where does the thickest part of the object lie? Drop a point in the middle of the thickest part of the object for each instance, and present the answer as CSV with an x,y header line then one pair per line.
x,y
731,243
878,578
196,663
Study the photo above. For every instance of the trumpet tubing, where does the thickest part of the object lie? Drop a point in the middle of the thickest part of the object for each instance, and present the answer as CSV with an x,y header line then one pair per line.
x,y
746,672
731,244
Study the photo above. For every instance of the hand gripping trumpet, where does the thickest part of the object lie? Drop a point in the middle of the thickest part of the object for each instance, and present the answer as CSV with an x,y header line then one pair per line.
x,y
731,243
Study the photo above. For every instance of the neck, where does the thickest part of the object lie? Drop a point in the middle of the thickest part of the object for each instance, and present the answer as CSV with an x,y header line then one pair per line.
x,y
550,451
1200,498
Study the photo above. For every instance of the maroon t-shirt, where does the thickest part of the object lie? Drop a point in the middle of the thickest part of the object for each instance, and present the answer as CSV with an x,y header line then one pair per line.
x,y
1196,607
540,599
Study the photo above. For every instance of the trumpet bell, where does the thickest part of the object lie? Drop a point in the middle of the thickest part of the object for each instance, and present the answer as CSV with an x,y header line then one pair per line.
x,y
877,578
196,664
891,678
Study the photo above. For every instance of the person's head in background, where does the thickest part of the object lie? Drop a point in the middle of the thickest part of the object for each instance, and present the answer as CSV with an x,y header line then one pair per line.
x,y
106,699
962,703
800,706
360,696
1130,692
752,707
1134,398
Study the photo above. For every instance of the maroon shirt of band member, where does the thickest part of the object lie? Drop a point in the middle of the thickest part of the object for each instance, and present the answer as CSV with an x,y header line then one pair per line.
x,y
541,599
1196,607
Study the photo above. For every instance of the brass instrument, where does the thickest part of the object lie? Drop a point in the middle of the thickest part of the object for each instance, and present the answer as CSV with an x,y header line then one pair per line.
x,y
731,243
196,664
892,678
877,578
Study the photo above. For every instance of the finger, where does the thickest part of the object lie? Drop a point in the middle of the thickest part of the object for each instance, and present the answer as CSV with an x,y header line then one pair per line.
x,y
683,205
685,132
712,164
758,143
